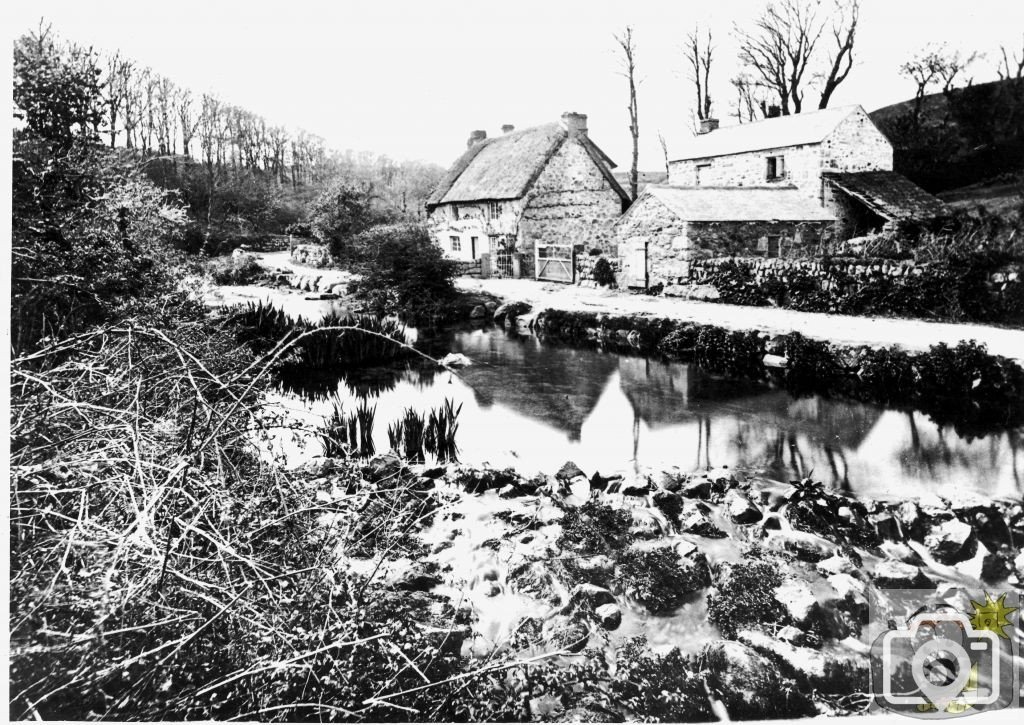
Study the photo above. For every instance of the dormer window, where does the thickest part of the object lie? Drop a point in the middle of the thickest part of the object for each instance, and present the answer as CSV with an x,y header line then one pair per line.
x,y
776,168
493,209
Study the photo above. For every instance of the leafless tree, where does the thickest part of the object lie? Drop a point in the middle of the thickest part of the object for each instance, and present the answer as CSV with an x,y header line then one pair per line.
x,y
779,47
1006,70
188,121
699,56
751,99
840,59
135,106
165,117
117,89
627,46
933,66
664,148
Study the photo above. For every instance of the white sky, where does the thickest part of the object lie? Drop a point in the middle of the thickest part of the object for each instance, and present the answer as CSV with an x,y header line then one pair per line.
x,y
411,79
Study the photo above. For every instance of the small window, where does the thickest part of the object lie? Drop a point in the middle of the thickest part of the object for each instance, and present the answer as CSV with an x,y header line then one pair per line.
x,y
776,168
456,244
702,170
493,209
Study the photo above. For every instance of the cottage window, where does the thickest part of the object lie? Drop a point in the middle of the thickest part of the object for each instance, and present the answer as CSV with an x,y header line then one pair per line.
x,y
776,168
493,209
456,244
702,170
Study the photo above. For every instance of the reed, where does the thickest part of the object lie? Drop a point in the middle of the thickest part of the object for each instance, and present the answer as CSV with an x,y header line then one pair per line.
x,y
348,435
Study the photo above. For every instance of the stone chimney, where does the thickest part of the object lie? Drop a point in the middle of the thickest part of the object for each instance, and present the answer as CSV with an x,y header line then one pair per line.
x,y
475,137
508,128
708,125
575,123
774,112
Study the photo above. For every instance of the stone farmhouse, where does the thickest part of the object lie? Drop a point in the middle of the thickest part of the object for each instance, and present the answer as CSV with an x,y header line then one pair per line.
x,y
519,203
771,188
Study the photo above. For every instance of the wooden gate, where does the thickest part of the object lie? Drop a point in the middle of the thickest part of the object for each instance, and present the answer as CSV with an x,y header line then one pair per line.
x,y
555,263
636,265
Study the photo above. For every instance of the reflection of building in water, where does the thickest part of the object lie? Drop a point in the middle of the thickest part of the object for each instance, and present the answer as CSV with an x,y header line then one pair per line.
x,y
761,426
559,386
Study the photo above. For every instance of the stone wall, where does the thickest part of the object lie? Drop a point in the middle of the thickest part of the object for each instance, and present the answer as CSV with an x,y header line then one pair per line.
x,y
672,244
571,203
311,255
585,264
856,144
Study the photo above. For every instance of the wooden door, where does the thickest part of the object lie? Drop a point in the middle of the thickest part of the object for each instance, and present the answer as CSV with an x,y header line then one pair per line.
x,y
636,263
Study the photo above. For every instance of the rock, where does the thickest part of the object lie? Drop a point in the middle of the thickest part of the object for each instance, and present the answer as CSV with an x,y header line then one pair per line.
x,y
886,526
433,473
601,483
420,578
511,491
630,488
694,521
645,525
1018,567
490,306
478,312
671,481
790,634
740,508
697,488
774,361
590,596
749,683
609,616
533,580
455,360
383,467
491,589
568,471
804,546
835,564
951,541
509,310
796,597
596,569
897,575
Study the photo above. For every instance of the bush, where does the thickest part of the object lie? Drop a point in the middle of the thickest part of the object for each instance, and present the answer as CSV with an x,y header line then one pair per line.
x,y
659,578
595,528
603,273
744,594
403,272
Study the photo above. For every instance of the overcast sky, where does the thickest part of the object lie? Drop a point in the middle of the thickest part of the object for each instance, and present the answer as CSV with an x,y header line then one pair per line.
x,y
411,79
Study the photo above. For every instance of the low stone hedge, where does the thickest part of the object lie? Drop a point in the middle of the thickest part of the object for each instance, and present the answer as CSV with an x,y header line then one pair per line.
x,y
311,255
963,386
585,264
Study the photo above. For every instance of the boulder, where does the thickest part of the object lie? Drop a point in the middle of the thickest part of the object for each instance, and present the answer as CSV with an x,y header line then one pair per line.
x,y
797,599
670,481
694,521
699,488
568,471
749,683
596,569
835,564
636,487
455,360
951,541
609,616
886,526
478,312
421,578
534,580
740,508
897,575
590,596
601,483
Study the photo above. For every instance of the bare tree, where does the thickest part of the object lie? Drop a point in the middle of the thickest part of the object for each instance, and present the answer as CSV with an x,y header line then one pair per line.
x,y
1005,70
664,148
117,90
751,99
188,121
627,45
779,47
933,66
699,56
840,59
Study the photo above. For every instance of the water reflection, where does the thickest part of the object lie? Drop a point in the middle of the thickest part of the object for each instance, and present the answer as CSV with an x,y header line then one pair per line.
x,y
534,405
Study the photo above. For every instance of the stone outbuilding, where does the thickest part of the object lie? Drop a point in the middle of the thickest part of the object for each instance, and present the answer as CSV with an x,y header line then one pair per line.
x,y
522,201
670,226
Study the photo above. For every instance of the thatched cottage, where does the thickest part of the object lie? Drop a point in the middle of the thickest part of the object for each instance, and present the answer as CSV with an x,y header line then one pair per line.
x,y
782,185
522,200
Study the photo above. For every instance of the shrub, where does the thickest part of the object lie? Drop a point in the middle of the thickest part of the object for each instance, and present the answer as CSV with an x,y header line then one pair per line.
x,y
594,528
744,594
403,272
735,353
811,365
659,688
603,273
659,577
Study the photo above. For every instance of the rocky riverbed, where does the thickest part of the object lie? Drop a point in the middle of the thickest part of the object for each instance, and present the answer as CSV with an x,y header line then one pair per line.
x,y
760,590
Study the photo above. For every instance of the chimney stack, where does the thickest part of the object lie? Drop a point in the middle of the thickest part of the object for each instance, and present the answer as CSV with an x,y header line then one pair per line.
x,y
508,128
708,125
476,137
575,123
774,112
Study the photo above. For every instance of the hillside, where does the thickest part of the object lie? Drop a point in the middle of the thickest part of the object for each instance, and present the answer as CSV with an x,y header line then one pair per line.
x,y
968,137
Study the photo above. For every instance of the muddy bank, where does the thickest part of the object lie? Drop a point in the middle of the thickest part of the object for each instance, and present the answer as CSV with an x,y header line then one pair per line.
x,y
693,581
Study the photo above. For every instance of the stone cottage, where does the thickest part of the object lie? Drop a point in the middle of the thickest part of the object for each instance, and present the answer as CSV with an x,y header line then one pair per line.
x,y
670,226
772,188
521,201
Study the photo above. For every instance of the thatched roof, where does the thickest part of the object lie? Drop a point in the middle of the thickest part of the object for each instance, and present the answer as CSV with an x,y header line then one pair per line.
x,y
890,195
795,130
506,166
736,203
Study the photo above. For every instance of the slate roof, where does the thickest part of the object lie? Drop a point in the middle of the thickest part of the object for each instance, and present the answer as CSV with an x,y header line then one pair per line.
x,y
738,203
504,167
796,130
890,195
